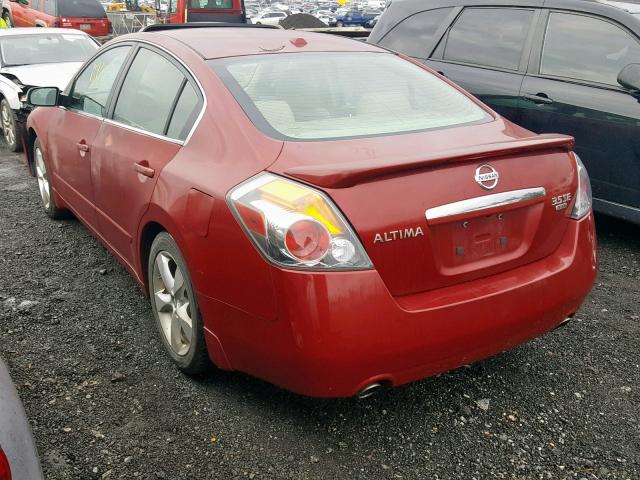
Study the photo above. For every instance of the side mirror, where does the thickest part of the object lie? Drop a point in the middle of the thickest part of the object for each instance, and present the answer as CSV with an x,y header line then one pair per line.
x,y
43,97
630,76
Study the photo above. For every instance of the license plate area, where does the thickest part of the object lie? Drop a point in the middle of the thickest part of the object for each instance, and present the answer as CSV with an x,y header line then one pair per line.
x,y
85,26
479,242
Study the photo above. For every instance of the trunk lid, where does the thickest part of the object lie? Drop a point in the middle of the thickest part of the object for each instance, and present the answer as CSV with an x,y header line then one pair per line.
x,y
96,27
441,208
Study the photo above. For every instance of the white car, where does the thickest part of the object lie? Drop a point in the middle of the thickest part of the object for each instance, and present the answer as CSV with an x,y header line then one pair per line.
x,y
36,57
269,18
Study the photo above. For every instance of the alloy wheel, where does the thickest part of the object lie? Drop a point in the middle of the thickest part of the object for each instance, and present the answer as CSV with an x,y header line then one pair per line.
x,y
8,126
173,303
43,178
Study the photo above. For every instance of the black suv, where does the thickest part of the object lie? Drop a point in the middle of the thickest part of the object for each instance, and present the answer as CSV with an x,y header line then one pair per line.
x,y
563,66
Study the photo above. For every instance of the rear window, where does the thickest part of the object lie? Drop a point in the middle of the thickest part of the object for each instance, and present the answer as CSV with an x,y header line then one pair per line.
x,y
314,96
210,4
493,37
81,8
413,35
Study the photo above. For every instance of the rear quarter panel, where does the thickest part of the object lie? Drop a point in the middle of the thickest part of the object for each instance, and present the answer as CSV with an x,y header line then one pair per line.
x,y
224,150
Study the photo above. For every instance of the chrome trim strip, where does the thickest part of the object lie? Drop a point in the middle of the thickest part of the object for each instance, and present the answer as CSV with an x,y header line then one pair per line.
x,y
143,132
478,204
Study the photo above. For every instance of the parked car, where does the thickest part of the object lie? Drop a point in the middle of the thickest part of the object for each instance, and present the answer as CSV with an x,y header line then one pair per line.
x,y
355,18
86,15
269,18
31,57
373,21
317,212
18,455
571,67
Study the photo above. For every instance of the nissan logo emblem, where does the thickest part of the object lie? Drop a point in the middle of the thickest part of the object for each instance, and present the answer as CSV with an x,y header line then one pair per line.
x,y
487,176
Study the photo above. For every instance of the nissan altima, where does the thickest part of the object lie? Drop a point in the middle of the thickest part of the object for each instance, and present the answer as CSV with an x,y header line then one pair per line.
x,y
312,210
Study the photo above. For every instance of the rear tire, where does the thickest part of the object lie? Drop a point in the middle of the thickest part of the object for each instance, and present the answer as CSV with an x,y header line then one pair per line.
x,y
175,307
10,127
47,195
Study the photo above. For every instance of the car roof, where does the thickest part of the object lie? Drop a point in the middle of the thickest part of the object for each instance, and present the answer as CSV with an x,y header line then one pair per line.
x,y
630,7
218,42
9,32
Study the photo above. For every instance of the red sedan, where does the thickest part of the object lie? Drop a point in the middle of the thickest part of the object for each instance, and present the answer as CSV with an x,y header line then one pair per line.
x,y
312,210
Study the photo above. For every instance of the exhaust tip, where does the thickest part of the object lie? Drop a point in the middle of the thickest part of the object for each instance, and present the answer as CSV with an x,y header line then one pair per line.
x,y
370,390
563,323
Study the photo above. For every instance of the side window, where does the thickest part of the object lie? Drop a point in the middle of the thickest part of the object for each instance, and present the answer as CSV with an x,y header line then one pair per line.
x,y
144,102
586,48
91,89
413,34
493,37
50,7
185,113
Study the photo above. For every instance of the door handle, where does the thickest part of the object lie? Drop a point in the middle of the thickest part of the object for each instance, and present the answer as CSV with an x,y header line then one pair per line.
x,y
83,147
539,98
144,170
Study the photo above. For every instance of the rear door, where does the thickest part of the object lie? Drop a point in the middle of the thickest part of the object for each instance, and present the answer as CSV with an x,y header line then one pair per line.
x,y
486,51
155,109
572,88
71,137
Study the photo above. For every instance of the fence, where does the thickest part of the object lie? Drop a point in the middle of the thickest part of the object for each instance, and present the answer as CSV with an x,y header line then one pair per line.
x,y
130,22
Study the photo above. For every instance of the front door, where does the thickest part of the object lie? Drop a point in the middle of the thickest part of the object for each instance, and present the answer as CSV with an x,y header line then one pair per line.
x,y
485,51
146,131
76,128
572,88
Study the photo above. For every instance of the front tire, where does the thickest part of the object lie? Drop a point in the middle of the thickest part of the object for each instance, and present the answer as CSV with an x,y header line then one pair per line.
x,y
9,126
175,307
339,24
47,195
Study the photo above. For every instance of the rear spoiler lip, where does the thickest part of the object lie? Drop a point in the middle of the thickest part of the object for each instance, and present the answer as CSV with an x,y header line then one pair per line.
x,y
343,175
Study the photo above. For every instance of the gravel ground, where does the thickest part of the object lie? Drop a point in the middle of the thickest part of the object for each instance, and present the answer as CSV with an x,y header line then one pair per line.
x,y
105,402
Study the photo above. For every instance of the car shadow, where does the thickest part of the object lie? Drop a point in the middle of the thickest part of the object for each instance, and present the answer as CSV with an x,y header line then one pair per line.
x,y
608,228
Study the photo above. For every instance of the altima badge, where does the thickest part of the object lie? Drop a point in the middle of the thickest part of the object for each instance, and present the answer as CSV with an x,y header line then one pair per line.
x,y
487,176
401,234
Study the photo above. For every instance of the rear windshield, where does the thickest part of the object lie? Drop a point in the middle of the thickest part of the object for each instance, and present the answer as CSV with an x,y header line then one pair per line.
x,y
314,96
45,48
210,4
81,8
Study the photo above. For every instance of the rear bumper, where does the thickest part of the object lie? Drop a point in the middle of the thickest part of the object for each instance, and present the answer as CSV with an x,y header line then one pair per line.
x,y
336,333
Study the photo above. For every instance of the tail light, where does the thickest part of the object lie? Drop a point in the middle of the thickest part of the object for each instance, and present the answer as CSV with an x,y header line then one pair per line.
x,y
296,226
66,23
5,471
582,206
